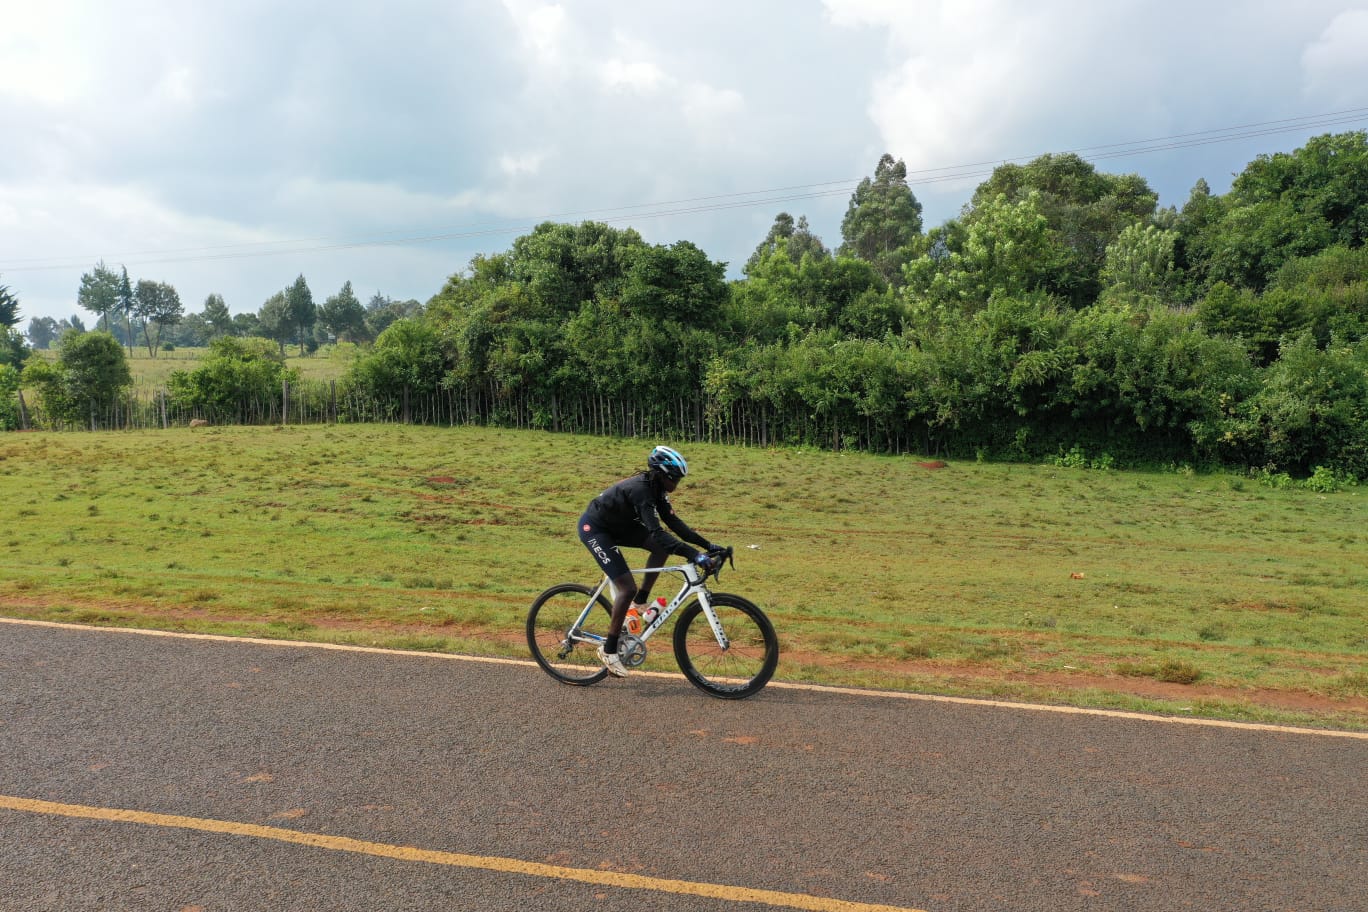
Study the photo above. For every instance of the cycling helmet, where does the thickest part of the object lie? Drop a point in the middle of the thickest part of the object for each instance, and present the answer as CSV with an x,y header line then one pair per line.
x,y
668,461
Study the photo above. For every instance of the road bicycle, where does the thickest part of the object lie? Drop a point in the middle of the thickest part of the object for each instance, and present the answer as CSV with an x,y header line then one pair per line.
x,y
724,644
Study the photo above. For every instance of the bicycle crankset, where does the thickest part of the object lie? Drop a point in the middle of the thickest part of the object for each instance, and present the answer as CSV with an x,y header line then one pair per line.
x,y
631,650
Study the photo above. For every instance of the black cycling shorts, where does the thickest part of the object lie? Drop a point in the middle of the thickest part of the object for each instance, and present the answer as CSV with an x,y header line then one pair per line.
x,y
605,547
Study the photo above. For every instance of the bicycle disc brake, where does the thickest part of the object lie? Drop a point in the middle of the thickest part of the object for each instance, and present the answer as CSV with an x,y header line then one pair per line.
x,y
631,650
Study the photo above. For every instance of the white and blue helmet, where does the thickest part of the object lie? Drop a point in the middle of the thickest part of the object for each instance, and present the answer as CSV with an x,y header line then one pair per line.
x,y
668,461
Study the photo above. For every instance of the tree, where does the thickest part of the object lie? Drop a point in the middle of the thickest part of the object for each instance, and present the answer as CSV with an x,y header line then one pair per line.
x,y
274,320
1279,208
1195,227
42,332
193,331
1007,250
781,296
157,305
234,375
300,310
883,218
1310,411
381,311
12,348
128,306
677,282
89,374
1084,211
246,324
797,239
1334,286
9,307
343,316
9,403
13,351
1141,261
565,265
408,355
217,317
99,292
1324,182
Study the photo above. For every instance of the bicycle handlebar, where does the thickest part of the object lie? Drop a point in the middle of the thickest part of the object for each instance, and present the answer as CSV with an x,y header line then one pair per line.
x,y
717,558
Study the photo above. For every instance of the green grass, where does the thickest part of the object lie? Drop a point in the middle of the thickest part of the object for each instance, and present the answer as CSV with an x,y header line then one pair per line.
x,y
1177,592
328,363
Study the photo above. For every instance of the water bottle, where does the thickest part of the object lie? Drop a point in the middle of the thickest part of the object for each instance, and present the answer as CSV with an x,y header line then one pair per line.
x,y
633,623
655,608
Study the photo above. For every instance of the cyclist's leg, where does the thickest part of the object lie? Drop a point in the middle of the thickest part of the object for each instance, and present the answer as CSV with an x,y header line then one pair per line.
x,y
611,562
656,559
626,588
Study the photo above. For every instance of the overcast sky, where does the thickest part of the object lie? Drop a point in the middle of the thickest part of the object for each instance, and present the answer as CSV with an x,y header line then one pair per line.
x,y
230,147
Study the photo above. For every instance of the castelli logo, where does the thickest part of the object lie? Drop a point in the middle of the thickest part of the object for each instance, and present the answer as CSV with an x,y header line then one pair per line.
x,y
586,527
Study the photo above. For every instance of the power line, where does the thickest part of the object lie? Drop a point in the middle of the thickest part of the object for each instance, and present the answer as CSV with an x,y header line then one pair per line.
x,y
696,205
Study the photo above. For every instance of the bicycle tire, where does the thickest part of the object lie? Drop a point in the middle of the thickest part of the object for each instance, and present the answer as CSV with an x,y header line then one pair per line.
x,y
548,623
750,660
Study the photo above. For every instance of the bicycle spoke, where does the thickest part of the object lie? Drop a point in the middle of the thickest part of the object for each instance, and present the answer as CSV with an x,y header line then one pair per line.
x,y
747,662
549,634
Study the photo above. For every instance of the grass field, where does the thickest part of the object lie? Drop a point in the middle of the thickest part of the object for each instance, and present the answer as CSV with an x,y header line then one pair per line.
x,y
328,363
1203,594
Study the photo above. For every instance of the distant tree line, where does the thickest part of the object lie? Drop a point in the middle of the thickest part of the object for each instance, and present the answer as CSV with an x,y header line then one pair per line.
x,y
150,314
1061,313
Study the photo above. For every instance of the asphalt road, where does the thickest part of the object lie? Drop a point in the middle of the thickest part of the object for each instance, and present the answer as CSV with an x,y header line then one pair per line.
x,y
511,791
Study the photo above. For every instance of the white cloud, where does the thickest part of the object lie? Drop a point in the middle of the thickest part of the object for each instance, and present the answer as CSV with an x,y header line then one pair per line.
x,y
964,78
969,81
151,124
543,27
1336,65
639,77
177,86
36,64
521,165
706,106
115,220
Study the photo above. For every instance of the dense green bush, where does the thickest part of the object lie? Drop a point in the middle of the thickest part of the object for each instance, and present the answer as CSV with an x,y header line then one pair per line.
x,y
84,382
235,377
9,402
1310,410
409,354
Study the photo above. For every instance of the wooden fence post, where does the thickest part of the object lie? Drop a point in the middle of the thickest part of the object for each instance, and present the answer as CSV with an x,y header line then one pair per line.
x,y
23,412
285,401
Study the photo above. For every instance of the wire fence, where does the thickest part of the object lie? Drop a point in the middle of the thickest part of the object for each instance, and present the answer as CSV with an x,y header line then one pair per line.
x,y
306,402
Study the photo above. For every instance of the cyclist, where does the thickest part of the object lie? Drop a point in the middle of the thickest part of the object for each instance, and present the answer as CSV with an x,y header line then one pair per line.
x,y
631,513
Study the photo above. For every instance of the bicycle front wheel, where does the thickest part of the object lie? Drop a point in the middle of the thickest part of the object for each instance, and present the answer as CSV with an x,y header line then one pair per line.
x,y
747,662
551,631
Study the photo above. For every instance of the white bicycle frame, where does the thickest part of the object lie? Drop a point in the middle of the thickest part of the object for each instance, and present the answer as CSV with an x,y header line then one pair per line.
x,y
694,584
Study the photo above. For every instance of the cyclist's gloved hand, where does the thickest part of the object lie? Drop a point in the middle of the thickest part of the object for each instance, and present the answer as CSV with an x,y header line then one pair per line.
x,y
704,561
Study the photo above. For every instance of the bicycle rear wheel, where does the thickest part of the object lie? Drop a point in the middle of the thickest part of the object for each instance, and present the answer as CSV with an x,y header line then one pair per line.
x,y
747,663
549,623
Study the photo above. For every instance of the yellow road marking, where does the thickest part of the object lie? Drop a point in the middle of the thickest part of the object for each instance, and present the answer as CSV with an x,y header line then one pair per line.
x,y
450,859
782,685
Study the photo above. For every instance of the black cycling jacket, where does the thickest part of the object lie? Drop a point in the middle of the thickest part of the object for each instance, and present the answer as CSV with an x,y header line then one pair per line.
x,y
632,510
